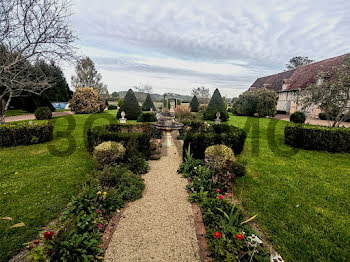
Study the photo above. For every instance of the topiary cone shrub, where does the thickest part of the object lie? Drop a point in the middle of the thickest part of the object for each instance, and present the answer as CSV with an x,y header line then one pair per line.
x,y
43,113
130,106
148,104
216,104
298,117
194,104
86,101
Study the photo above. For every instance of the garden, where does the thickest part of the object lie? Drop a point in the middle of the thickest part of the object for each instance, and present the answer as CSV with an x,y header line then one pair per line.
x,y
261,184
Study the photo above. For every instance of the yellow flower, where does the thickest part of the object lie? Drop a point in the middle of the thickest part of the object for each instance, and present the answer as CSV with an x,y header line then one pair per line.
x,y
104,193
99,193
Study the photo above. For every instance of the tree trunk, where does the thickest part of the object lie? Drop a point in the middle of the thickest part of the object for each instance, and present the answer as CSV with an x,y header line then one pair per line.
x,y
4,107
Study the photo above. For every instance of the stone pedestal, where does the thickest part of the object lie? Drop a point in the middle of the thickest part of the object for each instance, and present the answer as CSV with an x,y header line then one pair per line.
x,y
122,120
168,139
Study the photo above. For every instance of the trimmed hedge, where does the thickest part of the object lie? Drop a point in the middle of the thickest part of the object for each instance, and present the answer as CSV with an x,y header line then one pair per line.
x,y
130,135
16,134
43,113
330,139
230,136
147,117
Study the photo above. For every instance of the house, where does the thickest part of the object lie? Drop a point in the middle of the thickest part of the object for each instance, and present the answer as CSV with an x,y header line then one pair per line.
x,y
286,84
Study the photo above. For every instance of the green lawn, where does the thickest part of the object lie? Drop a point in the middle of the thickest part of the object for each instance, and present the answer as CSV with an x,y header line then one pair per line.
x,y
35,185
16,112
302,197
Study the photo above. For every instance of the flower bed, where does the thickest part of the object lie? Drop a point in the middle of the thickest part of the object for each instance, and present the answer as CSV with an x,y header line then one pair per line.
x,y
318,137
15,134
77,236
201,135
229,237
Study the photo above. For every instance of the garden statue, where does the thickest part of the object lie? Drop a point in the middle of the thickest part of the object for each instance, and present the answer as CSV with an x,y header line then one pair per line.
x,y
217,120
122,120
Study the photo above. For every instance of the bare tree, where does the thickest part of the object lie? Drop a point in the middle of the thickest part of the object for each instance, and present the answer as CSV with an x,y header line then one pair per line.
x,y
298,61
31,30
202,93
142,90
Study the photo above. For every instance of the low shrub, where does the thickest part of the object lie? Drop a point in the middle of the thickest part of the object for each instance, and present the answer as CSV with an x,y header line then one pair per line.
x,y
43,113
147,117
238,168
86,101
297,117
231,136
183,113
331,139
216,156
16,134
141,133
202,108
108,153
112,107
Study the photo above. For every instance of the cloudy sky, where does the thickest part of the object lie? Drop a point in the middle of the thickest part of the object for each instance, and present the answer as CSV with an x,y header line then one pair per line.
x,y
177,45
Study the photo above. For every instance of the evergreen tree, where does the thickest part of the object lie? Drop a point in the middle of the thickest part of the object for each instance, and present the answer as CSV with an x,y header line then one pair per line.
x,y
216,104
148,104
130,106
194,104
169,104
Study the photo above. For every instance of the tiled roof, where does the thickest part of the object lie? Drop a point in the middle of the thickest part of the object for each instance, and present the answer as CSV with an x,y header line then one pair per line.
x,y
301,77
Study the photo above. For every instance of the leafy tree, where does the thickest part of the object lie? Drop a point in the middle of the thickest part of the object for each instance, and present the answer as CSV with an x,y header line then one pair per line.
x,y
60,89
202,93
148,104
87,76
114,96
261,101
216,104
130,106
86,101
298,61
332,95
194,104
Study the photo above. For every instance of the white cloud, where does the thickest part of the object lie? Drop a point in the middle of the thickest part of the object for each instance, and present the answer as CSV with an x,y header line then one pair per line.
x,y
176,45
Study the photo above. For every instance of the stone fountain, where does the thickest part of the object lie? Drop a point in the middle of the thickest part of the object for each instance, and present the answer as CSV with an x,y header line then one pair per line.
x,y
166,123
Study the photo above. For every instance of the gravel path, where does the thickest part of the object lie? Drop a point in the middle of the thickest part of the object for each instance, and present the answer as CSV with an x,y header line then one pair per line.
x,y
160,225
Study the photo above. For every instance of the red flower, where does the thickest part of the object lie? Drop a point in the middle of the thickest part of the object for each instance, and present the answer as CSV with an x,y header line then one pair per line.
x,y
48,235
36,242
239,236
221,197
218,190
217,235
100,225
229,195
98,211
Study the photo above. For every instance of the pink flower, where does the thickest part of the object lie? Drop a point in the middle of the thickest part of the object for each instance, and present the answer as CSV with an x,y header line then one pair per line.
x,y
221,197
98,211
218,190
100,225
229,195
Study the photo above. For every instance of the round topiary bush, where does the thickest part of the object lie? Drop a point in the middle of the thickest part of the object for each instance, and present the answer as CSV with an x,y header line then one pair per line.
x,y
217,156
86,101
112,107
43,113
147,117
148,104
298,117
194,104
108,153
130,106
215,105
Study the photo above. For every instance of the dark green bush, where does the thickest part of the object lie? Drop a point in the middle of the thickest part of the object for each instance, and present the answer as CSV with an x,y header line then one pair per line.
x,y
148,104
130,106
194,104
297,117
140,134
239,168
112,107
330,139
147,117
43,113
230,136
216,104
15,134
